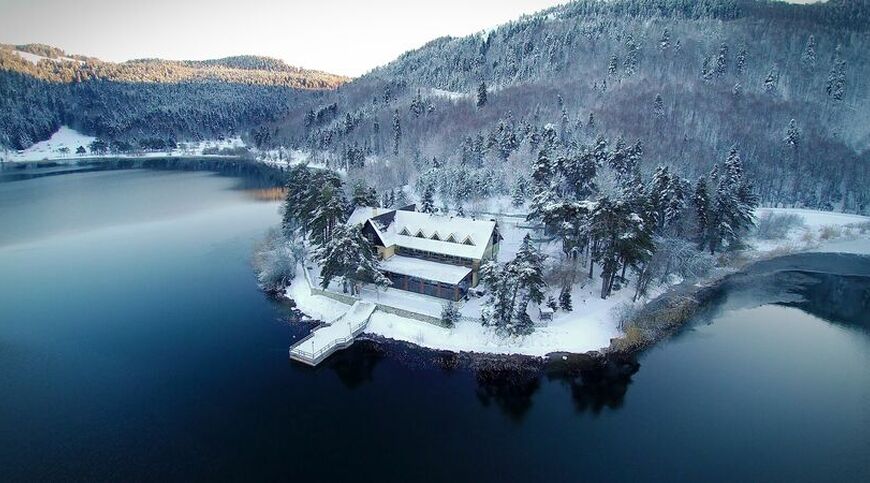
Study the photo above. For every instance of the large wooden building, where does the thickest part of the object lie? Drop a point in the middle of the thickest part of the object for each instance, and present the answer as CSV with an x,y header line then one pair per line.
x,y
429,254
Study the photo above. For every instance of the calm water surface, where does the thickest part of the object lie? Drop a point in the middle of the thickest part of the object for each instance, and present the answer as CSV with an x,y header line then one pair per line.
x,y
134,344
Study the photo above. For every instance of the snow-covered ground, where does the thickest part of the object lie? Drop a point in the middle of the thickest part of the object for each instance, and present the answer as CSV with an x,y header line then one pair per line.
x,y
63,144
450,95
34,59
592,323
820,231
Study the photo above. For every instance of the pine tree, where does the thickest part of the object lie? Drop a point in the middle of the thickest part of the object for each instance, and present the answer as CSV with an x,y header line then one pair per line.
x,y
792,135
731,213
328,215
771,82
836,84
401,199
808,58
417,107
542,172
397,133
427,202
660,196
450,314
721,67
565,299
701,206
348,256
612,66
518,195
631,56
529,270
676,203
363,195
740,66
481,95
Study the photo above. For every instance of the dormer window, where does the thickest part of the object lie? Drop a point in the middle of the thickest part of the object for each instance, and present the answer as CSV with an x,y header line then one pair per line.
x,y
468,241
436,237
405,232
452,239
420,234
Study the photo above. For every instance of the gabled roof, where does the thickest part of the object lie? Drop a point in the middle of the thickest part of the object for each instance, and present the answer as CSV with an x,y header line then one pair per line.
x,y
471,236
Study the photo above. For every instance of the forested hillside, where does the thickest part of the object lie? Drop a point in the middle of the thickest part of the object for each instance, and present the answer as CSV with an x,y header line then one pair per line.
x,y
786,84
141,101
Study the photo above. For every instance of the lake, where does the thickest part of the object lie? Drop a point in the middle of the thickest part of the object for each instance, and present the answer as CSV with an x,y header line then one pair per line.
x,y
134,344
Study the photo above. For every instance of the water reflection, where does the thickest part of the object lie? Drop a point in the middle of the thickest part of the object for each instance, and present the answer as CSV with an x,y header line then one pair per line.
x,y
509,389
596,384
355,367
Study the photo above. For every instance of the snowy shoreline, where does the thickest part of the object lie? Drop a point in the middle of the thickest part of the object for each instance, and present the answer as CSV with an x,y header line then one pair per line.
x,y
593,325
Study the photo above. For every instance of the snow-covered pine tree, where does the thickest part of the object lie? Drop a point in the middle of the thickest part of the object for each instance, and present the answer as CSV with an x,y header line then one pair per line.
x,y
328,215
363,195
721,67
808,58
660,195
417,107
701,206
397,132
449,314
676,202
565,299
482,95
731,213
542,172
792,138
401,199
427,201
836,84
518,194
771,81
529,271
740,66
348,256
631,56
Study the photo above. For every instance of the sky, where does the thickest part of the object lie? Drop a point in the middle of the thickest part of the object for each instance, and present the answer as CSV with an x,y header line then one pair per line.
x,y
340,36
347,37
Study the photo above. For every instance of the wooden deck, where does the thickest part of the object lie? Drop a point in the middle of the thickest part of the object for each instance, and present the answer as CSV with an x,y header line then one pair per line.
x,y
330,337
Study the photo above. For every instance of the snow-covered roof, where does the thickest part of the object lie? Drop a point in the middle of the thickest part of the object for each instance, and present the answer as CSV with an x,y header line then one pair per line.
x,y
363,213
449,235
415,267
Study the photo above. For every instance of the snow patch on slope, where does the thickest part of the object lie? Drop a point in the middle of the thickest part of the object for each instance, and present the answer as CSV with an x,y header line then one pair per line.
x,y
62,145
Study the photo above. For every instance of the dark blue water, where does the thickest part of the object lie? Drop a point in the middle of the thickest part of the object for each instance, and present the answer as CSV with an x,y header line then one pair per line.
x,y
134,344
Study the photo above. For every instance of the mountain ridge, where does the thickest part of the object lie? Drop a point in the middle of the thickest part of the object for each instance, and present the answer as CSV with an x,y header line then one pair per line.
x,y
53,64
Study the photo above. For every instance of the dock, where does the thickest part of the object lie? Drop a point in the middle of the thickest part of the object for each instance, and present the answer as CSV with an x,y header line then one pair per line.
x,y
330,337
